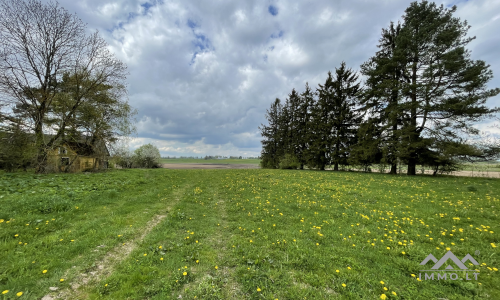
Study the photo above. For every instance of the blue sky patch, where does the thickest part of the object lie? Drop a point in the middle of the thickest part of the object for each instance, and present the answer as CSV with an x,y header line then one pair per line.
x,y
277,35
191,24
147,6
273,10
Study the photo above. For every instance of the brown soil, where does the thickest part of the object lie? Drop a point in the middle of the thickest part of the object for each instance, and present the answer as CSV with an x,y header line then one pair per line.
x,y
210,166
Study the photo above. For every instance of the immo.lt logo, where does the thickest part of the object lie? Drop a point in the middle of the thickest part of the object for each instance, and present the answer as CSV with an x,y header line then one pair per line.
x,y
448,272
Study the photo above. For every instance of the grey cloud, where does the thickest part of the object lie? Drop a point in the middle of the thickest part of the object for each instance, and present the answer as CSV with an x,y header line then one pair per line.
x,y
203,73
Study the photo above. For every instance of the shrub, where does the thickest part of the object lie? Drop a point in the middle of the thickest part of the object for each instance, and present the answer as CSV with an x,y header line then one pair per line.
x,y
147,156
289,161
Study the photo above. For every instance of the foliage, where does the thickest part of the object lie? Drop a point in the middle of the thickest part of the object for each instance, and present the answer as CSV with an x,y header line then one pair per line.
x,y
56,75
289,161
147,156
17,149
423,85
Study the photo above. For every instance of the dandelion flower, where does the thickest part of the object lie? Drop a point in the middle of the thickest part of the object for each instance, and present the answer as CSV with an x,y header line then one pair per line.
x,y
383,296
216,267
385,289
19,294
343,285
493,245
6,291
382,282
185,273
44,271
337,271
258,289
145,254
161,258
61,280
403,253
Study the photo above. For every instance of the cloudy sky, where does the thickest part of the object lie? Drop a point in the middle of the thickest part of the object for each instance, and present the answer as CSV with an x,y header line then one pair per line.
x,y
203,73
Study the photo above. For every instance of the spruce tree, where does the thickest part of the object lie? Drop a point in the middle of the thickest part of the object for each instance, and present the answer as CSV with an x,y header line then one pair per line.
x,y
441,91
304,131
336,118
271,133
383,92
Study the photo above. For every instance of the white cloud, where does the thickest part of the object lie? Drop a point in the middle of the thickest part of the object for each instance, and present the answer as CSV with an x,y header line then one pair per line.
x,y
203,73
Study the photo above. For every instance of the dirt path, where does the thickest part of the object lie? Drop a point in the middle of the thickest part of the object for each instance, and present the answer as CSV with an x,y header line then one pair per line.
x,y
105,266
210,166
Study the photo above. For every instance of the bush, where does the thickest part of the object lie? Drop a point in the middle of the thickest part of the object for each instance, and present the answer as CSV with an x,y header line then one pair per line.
x,y
147,156
289,161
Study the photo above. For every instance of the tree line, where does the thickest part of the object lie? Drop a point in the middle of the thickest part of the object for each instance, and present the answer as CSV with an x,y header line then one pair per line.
x,y
421,95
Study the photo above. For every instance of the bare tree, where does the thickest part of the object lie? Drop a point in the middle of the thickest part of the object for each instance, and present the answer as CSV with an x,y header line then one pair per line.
x,y
39,43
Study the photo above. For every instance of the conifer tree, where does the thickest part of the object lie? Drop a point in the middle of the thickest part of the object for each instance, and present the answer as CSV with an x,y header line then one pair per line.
x,y
336,118
271,133
383,92
441,91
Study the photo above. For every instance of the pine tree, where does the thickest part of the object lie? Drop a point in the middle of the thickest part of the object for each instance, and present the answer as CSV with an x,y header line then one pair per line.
x,y
441,92
304,132
335,118
271,133
383,92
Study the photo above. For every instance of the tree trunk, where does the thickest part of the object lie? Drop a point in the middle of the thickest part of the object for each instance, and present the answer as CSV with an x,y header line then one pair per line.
x,y
336,167
413,134
394,169
41,157
412,166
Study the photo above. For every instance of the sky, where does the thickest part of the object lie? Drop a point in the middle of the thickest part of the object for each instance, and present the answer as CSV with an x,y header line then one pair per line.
x,y
203,73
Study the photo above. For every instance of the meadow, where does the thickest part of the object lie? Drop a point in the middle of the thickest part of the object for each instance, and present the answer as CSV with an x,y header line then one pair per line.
x,y
244,234
209,161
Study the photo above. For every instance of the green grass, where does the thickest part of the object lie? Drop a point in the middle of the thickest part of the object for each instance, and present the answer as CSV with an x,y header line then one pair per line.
x,y
247,234
209,161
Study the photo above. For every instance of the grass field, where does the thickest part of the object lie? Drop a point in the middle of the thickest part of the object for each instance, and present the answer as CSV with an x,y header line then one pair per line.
x,y
209,161
244,234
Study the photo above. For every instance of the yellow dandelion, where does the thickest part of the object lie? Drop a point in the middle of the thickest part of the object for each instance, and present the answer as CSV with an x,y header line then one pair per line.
x,y
258,289
19,294
6,291
61,280
145,254
185,273
394,293
44,271
382,282
493,245
343,285
161,258
337,271
216,267
383,296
